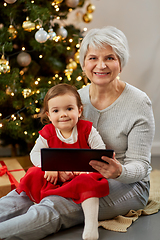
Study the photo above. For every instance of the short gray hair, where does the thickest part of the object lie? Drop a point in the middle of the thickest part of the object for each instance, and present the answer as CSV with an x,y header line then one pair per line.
x,y
98,38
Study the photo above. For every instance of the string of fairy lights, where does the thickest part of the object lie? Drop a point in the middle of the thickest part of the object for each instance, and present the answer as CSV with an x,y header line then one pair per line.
x,y
41,36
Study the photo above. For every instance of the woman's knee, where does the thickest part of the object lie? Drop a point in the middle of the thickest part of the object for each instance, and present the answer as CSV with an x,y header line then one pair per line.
x,y
66,210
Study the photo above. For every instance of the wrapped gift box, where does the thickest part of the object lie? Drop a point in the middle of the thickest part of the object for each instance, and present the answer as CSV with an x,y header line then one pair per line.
x,y
10,174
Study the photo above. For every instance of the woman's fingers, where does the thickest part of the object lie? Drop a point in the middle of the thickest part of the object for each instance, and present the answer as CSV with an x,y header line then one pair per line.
x,y
111,169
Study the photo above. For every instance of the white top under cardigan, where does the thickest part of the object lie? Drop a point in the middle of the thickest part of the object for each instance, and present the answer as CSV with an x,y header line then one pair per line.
x,y
126,126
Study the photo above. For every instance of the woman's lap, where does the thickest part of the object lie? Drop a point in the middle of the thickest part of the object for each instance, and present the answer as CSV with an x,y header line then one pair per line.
x,y
122,198
54,212
39,220
13,205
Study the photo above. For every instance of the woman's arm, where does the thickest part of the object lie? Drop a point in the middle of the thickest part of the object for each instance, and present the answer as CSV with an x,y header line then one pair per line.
x,y
138,155
136,162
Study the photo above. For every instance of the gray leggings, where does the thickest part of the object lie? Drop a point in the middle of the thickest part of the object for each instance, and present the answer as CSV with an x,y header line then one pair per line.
x,y
20,218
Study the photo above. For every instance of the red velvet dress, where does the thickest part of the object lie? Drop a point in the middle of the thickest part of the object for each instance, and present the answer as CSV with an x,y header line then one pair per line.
x,y
79,188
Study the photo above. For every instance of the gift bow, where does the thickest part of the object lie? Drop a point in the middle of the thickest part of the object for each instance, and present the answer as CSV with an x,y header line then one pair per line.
x,y
4,169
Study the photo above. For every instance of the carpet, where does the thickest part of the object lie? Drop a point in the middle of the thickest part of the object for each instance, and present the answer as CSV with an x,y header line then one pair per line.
x,y
122,223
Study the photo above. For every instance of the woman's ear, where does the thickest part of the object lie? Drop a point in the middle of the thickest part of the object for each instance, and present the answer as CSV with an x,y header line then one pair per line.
x,y
83,71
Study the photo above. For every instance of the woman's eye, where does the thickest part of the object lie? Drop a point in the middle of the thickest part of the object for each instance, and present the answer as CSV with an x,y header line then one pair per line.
x,y
92,58
69,109
110,58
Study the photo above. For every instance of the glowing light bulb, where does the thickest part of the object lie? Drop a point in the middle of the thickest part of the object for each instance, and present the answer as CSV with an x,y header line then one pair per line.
x,y
36,82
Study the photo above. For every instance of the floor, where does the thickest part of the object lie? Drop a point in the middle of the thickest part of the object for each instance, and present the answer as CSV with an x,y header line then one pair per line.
x,y
145,228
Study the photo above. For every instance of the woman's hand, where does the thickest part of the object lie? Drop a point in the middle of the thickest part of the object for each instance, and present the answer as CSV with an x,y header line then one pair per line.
x,y
65,176
51,176
111,169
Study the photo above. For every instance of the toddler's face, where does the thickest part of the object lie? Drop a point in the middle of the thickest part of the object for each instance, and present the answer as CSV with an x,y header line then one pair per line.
x,y
63,112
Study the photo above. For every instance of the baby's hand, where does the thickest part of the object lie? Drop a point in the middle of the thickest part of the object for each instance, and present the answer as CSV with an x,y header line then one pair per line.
x,y
79,173
65,176
51,176
76,173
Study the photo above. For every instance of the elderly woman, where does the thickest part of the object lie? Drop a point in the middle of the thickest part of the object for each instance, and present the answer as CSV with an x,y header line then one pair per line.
x,y
123,116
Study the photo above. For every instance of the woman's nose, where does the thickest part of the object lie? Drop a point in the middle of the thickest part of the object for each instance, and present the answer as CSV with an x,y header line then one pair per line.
x,y
101,64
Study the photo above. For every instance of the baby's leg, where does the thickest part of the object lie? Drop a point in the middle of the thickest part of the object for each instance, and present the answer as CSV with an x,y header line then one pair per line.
x,y
90,208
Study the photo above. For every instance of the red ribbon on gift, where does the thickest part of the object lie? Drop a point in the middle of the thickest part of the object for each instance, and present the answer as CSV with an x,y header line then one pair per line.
x,y
4,170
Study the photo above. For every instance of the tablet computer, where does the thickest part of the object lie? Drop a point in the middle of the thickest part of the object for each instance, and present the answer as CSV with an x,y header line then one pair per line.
x,y
71,159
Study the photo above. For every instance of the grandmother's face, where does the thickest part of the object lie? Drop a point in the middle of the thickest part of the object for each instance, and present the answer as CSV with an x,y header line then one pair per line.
x,y
101,65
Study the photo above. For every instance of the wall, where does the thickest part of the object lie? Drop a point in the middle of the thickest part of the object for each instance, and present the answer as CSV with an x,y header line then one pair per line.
x,y
140,21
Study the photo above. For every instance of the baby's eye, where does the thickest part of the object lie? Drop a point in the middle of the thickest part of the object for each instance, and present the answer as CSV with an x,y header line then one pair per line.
x,y
55,111
69,109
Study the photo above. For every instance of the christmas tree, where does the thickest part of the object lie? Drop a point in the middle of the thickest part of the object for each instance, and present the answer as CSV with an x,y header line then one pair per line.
x,y
37,52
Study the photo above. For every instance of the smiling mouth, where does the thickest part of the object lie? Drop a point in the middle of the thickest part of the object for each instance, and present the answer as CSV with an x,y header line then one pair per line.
x,y
101,74
65,120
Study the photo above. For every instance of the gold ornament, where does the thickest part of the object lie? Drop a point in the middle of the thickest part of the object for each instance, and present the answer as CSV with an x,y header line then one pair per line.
x,y
72,65
38,110
72,3
57,1
28,25
4,65
12,31
68,73
26,92
76,56
90,8
87,17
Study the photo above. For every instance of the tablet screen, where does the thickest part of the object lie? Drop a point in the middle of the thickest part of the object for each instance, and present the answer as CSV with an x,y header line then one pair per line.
x,y
71,159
